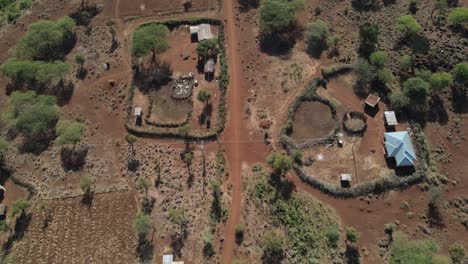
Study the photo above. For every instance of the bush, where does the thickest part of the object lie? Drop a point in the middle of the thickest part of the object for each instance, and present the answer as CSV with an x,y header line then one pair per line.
x,y
439,81
417,90
333,236
316,37
385,75
407,25
457,253
460,73
69,132
276,16
352,235
272,242
378,59
239,232
85,185
406,62
3,149
459,16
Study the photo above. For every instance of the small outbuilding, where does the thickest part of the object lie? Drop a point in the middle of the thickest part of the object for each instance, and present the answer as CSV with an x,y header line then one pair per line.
x,y
167,259
372,100
138,113
390,119
2,211
201,32
209,69
345,179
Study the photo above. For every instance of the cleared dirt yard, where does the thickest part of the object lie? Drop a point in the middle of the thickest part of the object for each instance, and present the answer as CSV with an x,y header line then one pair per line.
x,y
166,109
313,120
80,234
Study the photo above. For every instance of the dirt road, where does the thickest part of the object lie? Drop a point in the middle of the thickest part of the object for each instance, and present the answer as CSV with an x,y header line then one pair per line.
x,y
233,130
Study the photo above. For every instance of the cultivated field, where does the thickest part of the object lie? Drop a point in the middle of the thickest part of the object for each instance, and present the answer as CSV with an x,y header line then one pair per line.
x,y
67,231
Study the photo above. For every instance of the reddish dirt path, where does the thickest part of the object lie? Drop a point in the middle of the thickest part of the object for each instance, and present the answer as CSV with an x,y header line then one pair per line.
x,y
232,131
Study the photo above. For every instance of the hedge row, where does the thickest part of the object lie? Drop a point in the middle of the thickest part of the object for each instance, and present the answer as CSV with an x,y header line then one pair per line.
x,y
335,69
381,184
223,80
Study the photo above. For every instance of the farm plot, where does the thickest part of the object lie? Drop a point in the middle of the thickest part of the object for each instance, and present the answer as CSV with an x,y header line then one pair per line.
x,y
66,231
166,110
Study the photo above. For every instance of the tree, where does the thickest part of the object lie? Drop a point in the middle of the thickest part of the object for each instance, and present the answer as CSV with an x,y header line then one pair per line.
x,y
207,48
406,63
460,73
399,101
457,253
365,75
439,81
417,90
80,60
131,140
32,114
142,224
33,72
368,36
459,17
352,235
69,132
276,16
280,163
203,96
385,75
316,37
177,217
378,59
46,40
150,37
143,184
407,25
3,149
245,5
85,185
18,207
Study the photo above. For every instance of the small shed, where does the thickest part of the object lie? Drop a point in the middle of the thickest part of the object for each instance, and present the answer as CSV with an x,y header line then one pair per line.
x,y
209,69
137,111
372,100
390,118
204,32
168,259
345,179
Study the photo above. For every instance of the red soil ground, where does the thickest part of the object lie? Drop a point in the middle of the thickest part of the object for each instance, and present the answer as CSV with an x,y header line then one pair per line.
x,y
313,120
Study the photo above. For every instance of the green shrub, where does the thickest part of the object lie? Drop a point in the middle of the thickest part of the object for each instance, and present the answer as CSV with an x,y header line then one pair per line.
x,y
440,80
407,25
459,16
378,59
207,48
457,253
368,37
333,236
460,73
352,235
417,90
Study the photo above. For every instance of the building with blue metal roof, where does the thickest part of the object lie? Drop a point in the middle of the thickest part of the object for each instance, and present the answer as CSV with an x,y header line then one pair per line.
x,y
398,145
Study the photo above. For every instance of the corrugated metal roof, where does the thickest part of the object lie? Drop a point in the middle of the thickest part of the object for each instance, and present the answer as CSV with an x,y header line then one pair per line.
x,y
204,32
390,118
398,145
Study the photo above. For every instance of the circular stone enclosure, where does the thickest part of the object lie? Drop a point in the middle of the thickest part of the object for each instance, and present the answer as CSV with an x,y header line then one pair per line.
x,y
312,120
355,122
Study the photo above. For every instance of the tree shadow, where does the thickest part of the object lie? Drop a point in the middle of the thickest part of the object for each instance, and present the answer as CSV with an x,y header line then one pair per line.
x,y
144,250
280,43
273,257
133,165
87,199
459,99
435,216
437,111
177,243
147,205
85,14
73,159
